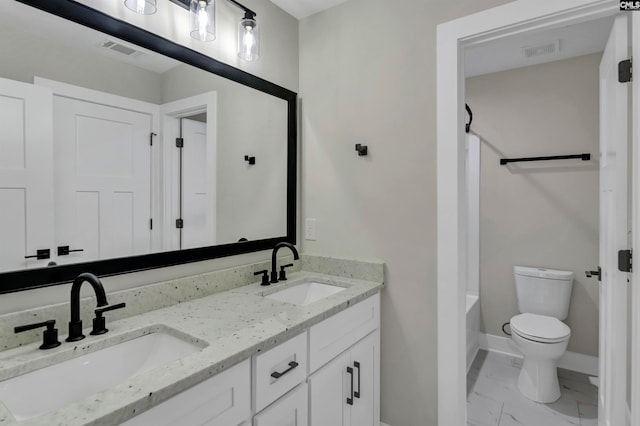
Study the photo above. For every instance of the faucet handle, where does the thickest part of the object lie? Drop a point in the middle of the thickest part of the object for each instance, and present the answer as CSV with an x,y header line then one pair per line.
x,y
265,276
49,336
283,273
99,323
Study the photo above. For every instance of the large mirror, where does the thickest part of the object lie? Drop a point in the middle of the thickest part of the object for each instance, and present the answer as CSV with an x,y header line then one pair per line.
x,y
122,151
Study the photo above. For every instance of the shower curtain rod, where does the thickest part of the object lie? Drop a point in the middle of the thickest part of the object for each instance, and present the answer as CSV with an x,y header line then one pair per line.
x,y
583,157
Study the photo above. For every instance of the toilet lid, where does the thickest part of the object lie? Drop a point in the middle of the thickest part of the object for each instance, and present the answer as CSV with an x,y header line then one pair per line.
x,y
540,328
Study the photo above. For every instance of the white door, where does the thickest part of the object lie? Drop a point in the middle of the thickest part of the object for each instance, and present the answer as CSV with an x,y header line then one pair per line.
x,y
197,210
102,180
26,167
364,358
327,394
612,397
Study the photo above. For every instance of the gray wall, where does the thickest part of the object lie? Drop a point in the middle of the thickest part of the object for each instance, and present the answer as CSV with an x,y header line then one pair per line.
x,y
27,56
539,214
368,75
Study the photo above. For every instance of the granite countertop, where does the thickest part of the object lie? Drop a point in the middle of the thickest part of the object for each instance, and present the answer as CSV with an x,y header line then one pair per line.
x,y
231,326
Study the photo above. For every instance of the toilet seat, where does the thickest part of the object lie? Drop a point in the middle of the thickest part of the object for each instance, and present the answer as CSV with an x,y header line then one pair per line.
x,y
540,328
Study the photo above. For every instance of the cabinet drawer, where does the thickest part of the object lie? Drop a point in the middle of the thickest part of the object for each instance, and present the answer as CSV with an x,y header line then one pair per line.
x,y
223,400
337,333
279,370
290,410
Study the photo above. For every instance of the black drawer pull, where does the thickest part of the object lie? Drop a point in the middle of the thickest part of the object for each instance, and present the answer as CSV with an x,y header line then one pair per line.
x,y
277,375
356,364
350,372
65,250
40,254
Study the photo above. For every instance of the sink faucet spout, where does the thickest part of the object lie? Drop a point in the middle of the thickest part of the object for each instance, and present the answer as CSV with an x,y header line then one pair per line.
x,y
75,324
274,270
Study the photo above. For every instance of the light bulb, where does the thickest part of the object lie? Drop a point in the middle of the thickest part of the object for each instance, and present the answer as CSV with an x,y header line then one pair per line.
x,y
203,20
143,7
248,39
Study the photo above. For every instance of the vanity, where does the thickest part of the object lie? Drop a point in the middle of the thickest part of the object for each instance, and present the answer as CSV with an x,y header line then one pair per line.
x,y
242,356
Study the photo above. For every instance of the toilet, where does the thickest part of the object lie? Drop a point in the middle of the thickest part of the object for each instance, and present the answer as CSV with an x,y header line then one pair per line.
x,y
539,333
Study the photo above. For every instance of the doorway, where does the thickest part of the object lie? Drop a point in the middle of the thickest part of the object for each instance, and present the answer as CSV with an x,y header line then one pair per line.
x,y
494,24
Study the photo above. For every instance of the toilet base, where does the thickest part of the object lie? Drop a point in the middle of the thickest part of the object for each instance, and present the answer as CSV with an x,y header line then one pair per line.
x,y
538,380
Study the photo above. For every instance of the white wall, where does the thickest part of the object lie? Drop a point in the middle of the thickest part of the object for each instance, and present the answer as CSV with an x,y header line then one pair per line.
x,y
278,63
542,214
368,75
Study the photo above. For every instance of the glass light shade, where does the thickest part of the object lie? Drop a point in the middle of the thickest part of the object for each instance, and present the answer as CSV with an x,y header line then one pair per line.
x,y
143,7
248,39
203,20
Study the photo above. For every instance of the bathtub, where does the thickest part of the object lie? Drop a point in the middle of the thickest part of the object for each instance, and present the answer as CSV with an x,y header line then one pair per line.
x,y
473,327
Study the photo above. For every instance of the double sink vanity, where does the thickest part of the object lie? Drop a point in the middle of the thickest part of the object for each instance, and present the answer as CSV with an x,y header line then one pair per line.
x,y
217,349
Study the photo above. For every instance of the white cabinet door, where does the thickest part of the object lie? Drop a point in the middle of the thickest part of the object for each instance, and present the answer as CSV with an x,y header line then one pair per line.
x,y
346,392
223,400
26,168
328,392
102,180
290,410
366,365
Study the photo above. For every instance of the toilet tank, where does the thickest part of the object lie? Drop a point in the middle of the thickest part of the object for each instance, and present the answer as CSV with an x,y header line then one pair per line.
x,y
543,291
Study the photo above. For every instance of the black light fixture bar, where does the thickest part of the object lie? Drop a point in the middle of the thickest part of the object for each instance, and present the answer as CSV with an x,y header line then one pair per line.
x,y
186,4
583,157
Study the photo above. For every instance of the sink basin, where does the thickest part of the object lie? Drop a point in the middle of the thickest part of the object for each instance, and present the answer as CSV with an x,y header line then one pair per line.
x,y
305,293
50,388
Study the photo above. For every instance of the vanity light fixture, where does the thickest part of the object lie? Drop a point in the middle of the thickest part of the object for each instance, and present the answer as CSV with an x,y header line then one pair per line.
x,y
143,7
203,24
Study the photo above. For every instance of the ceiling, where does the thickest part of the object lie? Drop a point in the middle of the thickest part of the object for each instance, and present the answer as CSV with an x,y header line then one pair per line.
x,y
505,54
303,8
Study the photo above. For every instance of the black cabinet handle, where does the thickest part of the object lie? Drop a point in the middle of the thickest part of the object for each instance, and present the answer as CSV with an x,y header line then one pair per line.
x,y
40,254
350,372
356,364
65,250
277,375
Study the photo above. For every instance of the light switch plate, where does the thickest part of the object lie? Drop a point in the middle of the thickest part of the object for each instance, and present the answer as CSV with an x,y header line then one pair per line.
x,y
310,230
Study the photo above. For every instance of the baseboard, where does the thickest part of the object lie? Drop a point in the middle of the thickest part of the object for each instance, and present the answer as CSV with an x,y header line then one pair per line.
x,y
383,424
573,361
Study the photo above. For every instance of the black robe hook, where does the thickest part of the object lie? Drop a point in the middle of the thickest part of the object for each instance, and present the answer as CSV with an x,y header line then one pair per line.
x,y
467,126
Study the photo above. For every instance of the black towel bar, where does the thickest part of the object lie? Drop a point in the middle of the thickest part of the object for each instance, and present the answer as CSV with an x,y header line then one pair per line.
x,y
583,157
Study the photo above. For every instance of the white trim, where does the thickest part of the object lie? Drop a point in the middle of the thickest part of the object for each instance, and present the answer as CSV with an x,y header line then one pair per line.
x,y
383,424
205,102
573,361
634,374
452,37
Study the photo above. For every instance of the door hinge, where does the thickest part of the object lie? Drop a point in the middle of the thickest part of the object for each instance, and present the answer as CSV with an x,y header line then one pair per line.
x,y
151,138
624,260
179,223
625,72
179,143
151,224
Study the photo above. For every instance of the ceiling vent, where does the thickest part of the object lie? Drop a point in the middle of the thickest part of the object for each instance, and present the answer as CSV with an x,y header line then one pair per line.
x,y
541,49
121,48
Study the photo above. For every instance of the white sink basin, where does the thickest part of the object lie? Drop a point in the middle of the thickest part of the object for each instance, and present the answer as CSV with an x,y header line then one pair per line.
x,y
50,388
306,293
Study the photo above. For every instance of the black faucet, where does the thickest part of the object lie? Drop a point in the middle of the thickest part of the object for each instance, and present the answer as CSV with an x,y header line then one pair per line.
x,y
274,268
75,325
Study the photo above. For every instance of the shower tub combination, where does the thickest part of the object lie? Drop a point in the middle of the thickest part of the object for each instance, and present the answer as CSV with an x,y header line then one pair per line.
x,y
473,328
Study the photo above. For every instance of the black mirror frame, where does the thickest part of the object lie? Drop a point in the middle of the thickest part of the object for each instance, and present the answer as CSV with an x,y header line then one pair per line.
x,y
76,12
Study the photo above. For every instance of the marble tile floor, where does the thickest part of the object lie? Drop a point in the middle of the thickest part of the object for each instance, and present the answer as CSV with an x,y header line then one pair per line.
x,y
493,398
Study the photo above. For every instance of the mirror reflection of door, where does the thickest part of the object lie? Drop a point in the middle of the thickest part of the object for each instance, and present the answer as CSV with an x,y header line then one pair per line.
x,y
197,228
26,193
102,180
